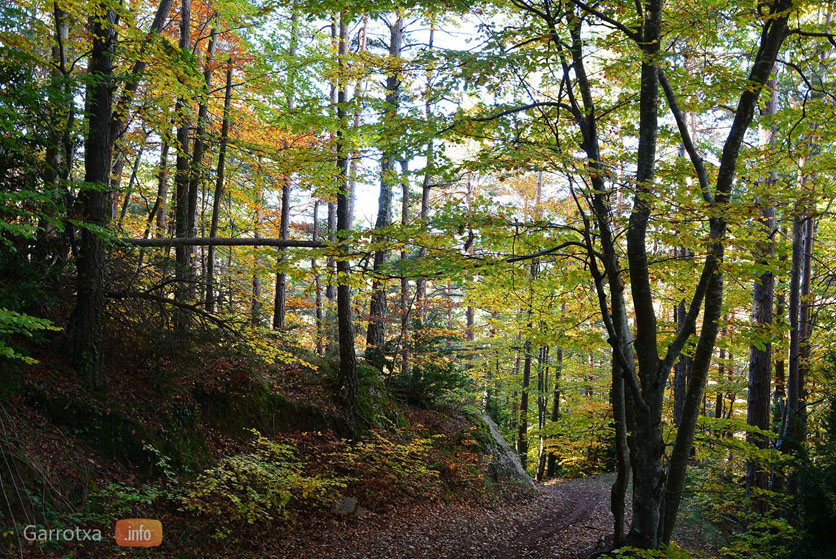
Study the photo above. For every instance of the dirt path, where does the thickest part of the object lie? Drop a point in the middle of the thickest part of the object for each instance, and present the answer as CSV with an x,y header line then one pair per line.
x,y
560,520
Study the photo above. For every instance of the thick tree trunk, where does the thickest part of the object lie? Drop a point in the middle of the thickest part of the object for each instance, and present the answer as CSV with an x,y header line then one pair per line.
x,y
219,191
88,315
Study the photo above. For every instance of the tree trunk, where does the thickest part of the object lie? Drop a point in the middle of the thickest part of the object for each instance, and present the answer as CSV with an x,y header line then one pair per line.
x,y
256,305
345,322
622,453
551,469
760,353
376,334
404,282
280,301
788,441
131,183
522,425
184,273
196,166
542,405
88,315
421,283
162,191
219,190
317,283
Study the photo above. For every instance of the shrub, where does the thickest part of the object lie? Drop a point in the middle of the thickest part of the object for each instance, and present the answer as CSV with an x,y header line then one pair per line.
x,y
254,487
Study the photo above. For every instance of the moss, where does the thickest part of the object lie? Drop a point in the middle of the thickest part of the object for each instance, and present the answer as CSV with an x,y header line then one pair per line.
x,y
118,436
374,402
482,432
256,406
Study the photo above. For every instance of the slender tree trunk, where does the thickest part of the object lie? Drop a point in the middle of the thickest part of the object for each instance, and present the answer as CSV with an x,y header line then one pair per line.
x,y
542,405
376,334
551,470
184,273
280,301
219,190
317,283
760,353
522,425
196,165
404,281
780,364
256,306
622,453
345,322
421,283
683,365
788,441
162,191
131,183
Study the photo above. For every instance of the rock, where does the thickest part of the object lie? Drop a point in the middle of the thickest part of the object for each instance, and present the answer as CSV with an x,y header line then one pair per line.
x,y
504,462
361,512
345,506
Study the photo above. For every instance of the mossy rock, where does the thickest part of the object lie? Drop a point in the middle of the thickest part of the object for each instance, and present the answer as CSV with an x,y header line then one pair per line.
x,y
502,462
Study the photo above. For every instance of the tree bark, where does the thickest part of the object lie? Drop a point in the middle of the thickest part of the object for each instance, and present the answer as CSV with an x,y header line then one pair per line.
x,y
184,273
760,354
542,405
196,165
522,425
405,307
376,333
317,283
219,190
421,283
88,315
551,469
280,301
345,322
162,191
622,453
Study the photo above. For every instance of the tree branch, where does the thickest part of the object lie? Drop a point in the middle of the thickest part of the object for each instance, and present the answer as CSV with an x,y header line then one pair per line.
x,y
687,142
220,241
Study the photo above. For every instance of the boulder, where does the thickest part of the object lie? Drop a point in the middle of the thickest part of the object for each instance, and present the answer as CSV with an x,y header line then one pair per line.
x,y
345,506
504,463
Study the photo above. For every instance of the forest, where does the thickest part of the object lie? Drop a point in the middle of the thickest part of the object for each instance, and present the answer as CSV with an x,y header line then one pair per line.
x,y
396,279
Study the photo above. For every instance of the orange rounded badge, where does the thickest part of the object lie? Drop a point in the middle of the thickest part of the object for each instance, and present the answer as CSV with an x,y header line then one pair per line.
x,y
139,532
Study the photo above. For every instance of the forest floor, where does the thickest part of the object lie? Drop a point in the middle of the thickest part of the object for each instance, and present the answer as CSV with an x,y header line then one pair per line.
x,y
561,519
